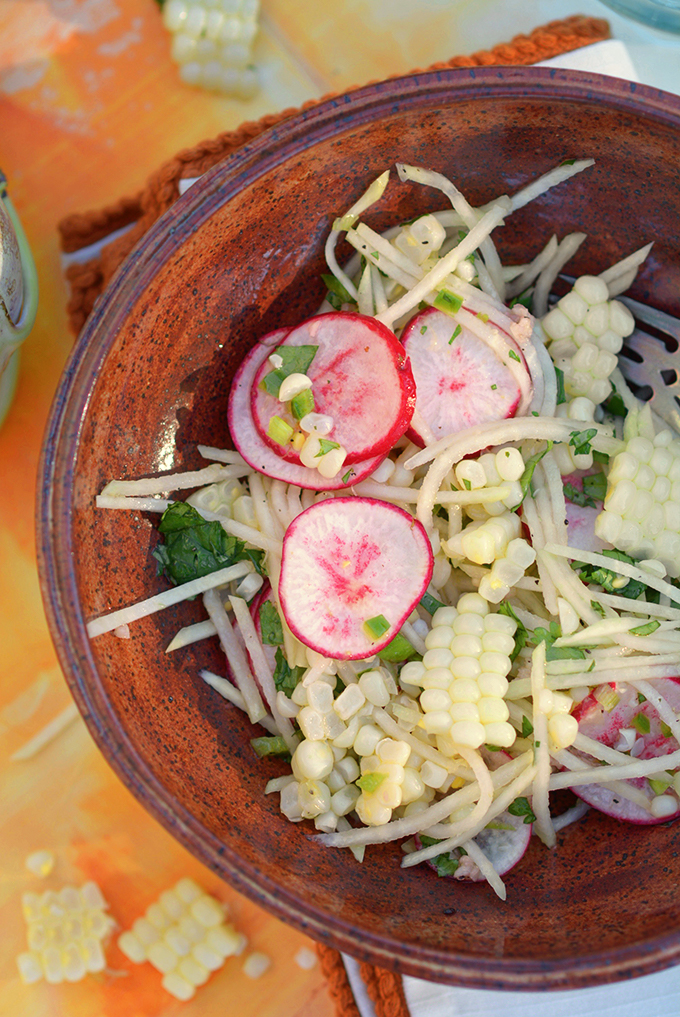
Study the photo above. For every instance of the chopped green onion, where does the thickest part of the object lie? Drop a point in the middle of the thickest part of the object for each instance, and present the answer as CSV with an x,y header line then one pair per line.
x,y
494,387
456,333
279,431
302,404
658,786
448,302
561,394
270,745
641,723
483,317
645,630
607,697
665,730
430,603
397,650
376,627
370,782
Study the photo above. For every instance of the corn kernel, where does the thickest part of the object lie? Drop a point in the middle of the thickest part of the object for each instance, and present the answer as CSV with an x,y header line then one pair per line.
x,y
207,911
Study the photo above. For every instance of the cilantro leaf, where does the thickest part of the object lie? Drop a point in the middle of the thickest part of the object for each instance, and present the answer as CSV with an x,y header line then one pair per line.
x,y
296,360
530,466
527,728
270,624
445,864
337,295
595,486
610,581
194,547
325,446
561,394
548,636
581,440
614,404
286,677
577,497
521,807
521,634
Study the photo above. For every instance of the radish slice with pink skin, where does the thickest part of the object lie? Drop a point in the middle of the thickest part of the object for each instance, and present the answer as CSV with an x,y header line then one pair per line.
x,y
360,377
459,383
504,843
347,561
595,722
256,453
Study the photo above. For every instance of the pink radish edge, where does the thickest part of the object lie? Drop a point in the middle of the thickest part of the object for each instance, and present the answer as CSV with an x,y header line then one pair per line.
x,y
361,378
595,722
247,440
454,377
346,561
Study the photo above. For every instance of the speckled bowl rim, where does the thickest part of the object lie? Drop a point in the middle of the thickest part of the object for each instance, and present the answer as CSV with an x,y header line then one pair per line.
x,y
55,517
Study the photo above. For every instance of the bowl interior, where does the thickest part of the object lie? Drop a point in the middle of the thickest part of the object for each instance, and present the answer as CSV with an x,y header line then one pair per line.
x,y
242,254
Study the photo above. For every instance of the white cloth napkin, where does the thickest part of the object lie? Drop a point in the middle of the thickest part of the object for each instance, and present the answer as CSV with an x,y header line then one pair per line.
x,y
656,995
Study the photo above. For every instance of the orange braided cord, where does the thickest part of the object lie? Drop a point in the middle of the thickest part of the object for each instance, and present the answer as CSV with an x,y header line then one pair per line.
x,y
338,983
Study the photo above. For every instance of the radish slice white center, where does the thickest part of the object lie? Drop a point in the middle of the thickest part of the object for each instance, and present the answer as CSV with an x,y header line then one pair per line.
x,y
345,562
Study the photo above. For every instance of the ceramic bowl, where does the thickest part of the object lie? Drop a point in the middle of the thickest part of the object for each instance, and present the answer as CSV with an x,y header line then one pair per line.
x,y
239,255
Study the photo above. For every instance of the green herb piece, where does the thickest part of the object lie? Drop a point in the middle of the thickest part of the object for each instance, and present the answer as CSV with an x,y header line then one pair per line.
x,y
493,748
641,698
521,807
302,404
337,295
296,360
598,608
286,678
525,299
665,729
445,864
614,404
325,446
529,467
600,457
467,483
581,440
194,547
483,317
495,825
645,630
577,497
430,603
595,486
494,387
456,332
548,636
527,728
374,254
279,431
521,634
423,305
397,650
568,162
270,624
370,782
535,413
270,745
423,329
346,476
561,394
376,627
641,723
659,787
514,356
448,302
611,582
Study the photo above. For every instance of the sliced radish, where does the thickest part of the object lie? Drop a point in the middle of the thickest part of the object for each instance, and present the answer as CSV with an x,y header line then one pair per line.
x,y
595,722
347,562
460,382
504,842
361,378
256,453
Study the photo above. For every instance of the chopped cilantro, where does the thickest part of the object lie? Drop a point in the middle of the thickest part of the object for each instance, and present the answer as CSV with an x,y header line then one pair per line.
x,y
423,329
598,609
270,624
514,356
548,636
468,485
286,677
610,581
527,728
641,723
325,446
577,497
581,440
494,387
521,634
530,466
614,404
444,864
296,360
521,807
561,394
456,332
665,730
337,295
194,547
524,299
600,457
346,476
595,486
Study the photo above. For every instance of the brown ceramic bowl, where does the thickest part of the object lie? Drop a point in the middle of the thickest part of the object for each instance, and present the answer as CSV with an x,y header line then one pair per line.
x,y
241,254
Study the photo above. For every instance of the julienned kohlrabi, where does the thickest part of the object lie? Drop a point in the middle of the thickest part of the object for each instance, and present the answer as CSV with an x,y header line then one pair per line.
x,y
442,559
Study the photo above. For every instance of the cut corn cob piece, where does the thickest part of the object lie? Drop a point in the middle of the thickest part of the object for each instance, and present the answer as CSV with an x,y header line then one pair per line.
x,y
212,43
184,935
64,932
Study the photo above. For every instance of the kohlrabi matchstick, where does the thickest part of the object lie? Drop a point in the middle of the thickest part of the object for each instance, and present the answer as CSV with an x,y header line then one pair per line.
x,y
353,569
